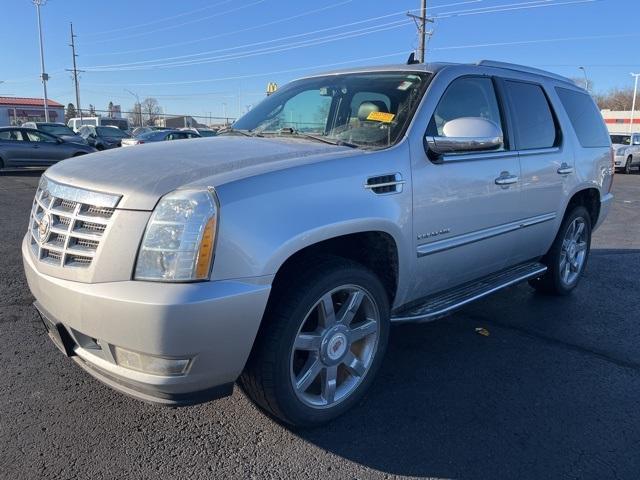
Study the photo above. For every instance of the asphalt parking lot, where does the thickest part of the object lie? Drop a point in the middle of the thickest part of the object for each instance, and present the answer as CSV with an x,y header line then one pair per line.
x,y
552,392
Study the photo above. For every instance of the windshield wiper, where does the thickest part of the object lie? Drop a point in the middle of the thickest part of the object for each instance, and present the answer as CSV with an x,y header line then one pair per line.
x,y
317,138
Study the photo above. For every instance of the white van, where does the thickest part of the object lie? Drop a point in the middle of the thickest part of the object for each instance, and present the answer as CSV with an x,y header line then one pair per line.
x,y
77,122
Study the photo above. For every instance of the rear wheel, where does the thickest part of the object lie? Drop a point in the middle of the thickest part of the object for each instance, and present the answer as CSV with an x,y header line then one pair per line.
x,y
567,258
321,344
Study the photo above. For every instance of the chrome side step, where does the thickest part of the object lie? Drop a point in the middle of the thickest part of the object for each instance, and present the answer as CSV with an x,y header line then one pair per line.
x,y
441,304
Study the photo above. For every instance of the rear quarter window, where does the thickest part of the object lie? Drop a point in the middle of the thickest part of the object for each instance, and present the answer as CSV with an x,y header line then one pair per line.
x,y
585,118
534,123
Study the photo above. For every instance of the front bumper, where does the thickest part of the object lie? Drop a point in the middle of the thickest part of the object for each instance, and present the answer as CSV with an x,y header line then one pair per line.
x,y
213,324
620,161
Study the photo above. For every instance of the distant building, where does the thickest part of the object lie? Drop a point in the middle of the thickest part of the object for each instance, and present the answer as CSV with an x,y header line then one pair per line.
x,y
180,121
620,121
17,110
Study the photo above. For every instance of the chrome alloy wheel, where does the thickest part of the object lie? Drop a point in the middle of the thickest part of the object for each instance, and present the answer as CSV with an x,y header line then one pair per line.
x,y
335,346
574,251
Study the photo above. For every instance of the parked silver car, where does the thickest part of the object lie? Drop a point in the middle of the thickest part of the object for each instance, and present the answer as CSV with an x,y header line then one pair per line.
x,y
627,151
21,147
279,252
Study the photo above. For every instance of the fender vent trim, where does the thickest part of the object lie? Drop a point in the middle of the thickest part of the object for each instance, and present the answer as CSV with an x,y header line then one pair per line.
x,y
385,184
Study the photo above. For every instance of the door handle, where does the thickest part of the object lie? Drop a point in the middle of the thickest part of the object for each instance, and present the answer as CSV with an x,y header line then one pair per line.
x,y
506,179
565,169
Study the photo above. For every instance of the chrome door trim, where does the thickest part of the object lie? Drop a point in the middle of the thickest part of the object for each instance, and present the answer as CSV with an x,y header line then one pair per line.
x,y
479,235
477,156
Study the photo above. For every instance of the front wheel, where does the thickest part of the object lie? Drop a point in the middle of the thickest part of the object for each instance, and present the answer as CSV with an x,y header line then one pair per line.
x,y
567,258
627,166
322,342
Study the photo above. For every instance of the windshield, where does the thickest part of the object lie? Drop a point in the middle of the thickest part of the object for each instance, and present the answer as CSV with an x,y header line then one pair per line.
x,y
621,139
56,129
207,133
110,132
364,109
121,124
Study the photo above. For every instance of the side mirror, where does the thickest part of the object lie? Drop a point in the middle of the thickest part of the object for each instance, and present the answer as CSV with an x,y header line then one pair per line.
x,y
466,134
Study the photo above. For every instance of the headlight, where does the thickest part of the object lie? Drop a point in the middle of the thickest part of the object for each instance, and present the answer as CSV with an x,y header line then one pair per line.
x,y
179,240
621,151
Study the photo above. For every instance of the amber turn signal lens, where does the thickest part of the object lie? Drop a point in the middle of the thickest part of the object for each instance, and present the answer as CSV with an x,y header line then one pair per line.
x,y
206,249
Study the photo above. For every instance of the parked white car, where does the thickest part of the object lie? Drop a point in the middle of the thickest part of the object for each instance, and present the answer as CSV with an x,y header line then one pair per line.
x,y
627,151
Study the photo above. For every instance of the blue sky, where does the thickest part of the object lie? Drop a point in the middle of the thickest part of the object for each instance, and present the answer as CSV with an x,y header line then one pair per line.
x,y
209,57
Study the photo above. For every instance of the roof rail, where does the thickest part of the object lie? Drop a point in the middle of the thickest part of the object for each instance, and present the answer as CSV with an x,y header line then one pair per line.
x,y
522,68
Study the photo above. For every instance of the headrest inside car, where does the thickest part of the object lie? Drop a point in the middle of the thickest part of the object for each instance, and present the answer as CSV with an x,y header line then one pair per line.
x,y
371,106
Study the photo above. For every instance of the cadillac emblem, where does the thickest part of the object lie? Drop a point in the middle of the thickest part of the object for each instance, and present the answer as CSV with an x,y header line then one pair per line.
x,y
44,228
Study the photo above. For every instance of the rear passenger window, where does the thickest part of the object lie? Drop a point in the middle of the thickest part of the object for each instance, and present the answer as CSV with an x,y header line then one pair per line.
x,y
534,125
465,97
585,118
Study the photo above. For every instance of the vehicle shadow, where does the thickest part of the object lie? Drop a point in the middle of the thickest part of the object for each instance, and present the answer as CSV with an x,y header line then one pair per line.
x,y
522,402
23,172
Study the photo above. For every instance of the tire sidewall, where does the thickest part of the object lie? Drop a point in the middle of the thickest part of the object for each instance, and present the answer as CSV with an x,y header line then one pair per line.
x,y
296,410
577,212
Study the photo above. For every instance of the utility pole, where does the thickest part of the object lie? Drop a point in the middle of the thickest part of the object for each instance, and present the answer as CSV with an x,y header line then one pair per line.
x,y
75,72
43,75
421,22
633,103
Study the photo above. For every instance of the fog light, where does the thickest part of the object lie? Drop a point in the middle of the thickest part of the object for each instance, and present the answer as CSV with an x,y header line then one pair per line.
x,y
149,363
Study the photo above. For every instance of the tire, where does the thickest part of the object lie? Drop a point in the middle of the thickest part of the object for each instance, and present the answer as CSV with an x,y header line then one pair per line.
x,y
627,166
100,148
2,165
329,351
563,275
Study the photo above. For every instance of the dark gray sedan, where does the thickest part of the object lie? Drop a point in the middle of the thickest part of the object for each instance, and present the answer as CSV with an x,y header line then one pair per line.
x,y
21,147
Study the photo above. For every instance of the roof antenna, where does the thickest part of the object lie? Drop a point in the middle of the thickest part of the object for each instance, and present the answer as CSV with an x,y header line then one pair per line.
x,y
412,59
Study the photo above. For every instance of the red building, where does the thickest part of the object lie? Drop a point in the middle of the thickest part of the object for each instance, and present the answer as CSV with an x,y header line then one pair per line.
x,y
17,110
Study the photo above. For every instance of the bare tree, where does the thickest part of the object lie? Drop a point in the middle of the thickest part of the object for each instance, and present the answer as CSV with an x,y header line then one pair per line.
x,y
615,99
151,110
135,115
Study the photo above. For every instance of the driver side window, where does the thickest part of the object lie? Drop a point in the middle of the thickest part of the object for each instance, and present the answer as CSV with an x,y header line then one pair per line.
x,y
465,97
40,137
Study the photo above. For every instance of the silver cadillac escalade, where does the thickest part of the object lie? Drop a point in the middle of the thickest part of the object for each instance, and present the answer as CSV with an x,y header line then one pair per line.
x,y
278,253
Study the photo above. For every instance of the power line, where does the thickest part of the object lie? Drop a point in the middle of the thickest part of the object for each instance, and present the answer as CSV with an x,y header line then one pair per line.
x,y
152,63
160,20
252,53
177,25
509,7
219,35
255,75
536,41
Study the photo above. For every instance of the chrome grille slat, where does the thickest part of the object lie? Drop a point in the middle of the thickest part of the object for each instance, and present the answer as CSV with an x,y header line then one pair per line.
x,y
76,227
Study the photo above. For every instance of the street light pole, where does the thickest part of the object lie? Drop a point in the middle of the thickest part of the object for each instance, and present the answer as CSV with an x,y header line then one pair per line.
x,y
44,76
633,103
586,80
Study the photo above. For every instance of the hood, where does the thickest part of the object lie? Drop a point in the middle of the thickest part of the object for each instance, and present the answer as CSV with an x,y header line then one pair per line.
x,y
616,146
143,173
